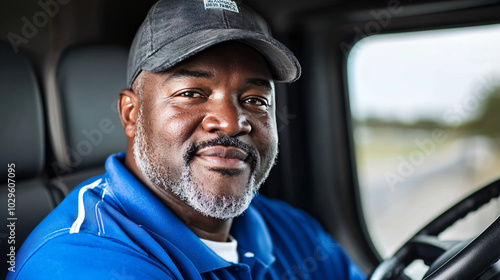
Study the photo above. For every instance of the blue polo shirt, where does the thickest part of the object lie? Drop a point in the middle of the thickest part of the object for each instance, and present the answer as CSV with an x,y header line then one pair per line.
x,y
112,227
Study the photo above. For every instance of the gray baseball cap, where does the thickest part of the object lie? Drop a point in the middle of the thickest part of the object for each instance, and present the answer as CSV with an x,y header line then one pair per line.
x,y
175,30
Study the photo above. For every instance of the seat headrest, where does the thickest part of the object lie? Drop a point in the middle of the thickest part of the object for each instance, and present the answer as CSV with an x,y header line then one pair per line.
x,y
90,79
23,126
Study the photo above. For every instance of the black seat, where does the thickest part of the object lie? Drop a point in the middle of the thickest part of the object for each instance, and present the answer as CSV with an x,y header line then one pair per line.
x,y
89,79
23,149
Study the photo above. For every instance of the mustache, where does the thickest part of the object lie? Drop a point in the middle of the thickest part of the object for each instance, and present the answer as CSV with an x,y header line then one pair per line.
x,y
226,141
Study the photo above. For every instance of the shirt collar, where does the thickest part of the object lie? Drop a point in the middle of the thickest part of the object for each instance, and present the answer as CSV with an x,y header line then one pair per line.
x,y
142,207
253,236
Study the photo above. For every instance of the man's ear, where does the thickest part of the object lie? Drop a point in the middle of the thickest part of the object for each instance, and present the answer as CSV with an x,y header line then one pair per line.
x,y
128,108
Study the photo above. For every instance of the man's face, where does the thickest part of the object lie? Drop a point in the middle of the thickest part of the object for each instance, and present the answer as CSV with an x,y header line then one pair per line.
x,y
206,130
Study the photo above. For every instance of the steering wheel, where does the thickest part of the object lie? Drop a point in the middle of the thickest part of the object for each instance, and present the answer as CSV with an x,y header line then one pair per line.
x,y
449,259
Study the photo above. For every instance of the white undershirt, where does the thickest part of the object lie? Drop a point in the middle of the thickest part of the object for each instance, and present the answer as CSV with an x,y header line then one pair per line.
x,y
225,250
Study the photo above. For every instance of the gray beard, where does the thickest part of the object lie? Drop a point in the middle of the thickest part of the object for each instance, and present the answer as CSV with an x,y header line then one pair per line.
x,y
192,193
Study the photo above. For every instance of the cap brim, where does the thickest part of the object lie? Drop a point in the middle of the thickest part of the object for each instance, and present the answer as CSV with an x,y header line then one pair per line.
x,y
284,64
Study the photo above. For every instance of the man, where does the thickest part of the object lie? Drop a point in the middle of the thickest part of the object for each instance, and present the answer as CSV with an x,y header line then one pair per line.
x,y
202,137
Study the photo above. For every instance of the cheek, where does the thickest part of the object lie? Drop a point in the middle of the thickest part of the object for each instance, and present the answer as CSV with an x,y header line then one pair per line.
x,y
266,139
171,132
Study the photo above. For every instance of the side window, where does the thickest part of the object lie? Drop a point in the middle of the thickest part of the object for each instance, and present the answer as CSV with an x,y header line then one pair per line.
x,y
426,121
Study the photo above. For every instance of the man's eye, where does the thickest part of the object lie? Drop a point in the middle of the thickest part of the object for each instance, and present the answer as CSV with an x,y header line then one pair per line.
x,y
256,102
191,94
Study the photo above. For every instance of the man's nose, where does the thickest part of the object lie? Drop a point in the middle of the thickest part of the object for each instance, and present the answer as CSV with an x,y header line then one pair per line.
x,y
227,116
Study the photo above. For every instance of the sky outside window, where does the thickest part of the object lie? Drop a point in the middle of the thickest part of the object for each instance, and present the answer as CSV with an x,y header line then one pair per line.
x,y
421,74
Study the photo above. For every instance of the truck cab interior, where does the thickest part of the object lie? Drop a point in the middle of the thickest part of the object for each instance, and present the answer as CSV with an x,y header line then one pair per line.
x,y
392,124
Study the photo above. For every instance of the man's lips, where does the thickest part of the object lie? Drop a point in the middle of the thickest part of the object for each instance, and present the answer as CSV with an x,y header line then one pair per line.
x,y
223,157
223,152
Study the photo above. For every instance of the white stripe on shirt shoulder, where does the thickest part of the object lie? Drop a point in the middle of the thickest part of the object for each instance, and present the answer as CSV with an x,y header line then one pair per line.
x,y
75,228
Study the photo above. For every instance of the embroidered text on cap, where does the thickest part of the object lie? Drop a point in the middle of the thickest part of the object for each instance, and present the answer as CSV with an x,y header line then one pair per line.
x,y
222,5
